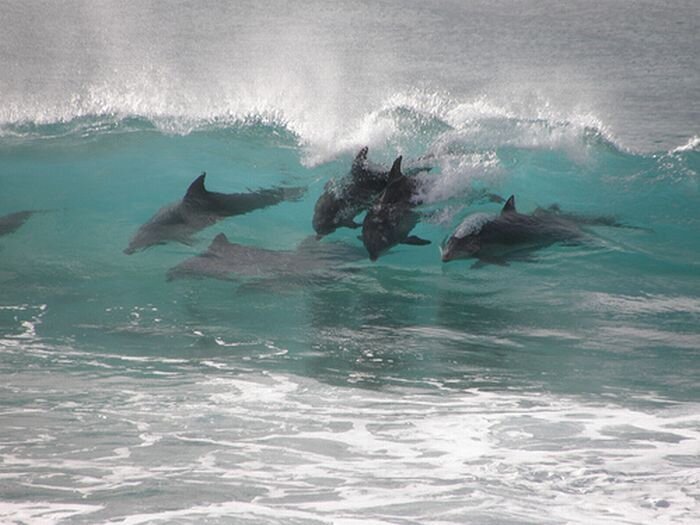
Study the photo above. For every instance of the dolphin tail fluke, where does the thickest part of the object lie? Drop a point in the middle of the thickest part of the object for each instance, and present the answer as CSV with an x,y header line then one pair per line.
x,y
350,223
416,241
294,193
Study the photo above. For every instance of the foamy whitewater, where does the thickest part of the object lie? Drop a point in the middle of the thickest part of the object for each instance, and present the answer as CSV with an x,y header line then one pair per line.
x,y
559,389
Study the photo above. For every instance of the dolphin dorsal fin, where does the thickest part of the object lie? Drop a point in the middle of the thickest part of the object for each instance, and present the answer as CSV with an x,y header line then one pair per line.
x,y
197,189
219,241
360,162
392,192
221,238
361,156
395,172
509,206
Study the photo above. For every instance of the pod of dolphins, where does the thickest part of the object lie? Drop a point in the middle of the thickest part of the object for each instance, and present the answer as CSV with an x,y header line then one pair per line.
x,y
390,199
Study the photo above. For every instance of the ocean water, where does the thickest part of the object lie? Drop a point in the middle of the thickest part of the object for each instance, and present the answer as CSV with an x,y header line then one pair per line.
x,y
558,389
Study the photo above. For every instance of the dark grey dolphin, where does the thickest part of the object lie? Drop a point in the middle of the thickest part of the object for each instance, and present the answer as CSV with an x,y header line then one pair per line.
x,y
392,217
491,238
9,223
226,260
342,200
200,208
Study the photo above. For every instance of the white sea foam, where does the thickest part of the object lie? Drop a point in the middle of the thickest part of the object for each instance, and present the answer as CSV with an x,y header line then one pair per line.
x,y
43,513
26,326
275,448
643,304
693,144
641,337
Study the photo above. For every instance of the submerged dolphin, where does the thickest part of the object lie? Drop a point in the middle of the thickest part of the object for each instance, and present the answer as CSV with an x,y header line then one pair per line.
x,y
11,222
491,238
224,260
200,208
391,219
342,200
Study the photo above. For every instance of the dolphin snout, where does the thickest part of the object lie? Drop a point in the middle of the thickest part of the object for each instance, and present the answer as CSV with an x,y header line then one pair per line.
x,y
445,254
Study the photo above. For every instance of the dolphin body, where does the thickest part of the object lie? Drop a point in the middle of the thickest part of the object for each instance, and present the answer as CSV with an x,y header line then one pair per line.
x,y
342,200
200,208
491,238
391,218
226,260
11,222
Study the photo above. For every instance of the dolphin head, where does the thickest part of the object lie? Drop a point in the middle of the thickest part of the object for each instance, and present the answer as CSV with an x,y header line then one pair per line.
x,y
141,240
327,213
375,245
465,242
170,223
138,242
376,235
460,247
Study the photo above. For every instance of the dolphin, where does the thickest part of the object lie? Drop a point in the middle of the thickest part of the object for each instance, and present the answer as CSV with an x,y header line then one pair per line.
x,y
491,238
11,222
391,218
342,200
200,208
226,260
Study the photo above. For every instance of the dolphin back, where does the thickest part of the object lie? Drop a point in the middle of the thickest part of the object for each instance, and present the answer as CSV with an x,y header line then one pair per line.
x,y
199,199
228,204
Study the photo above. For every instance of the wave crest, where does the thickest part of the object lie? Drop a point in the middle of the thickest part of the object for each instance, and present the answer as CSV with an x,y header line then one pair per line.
x,y
414,122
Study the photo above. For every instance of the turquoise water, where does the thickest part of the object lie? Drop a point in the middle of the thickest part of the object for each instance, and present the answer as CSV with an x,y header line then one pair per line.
x,y
558,389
